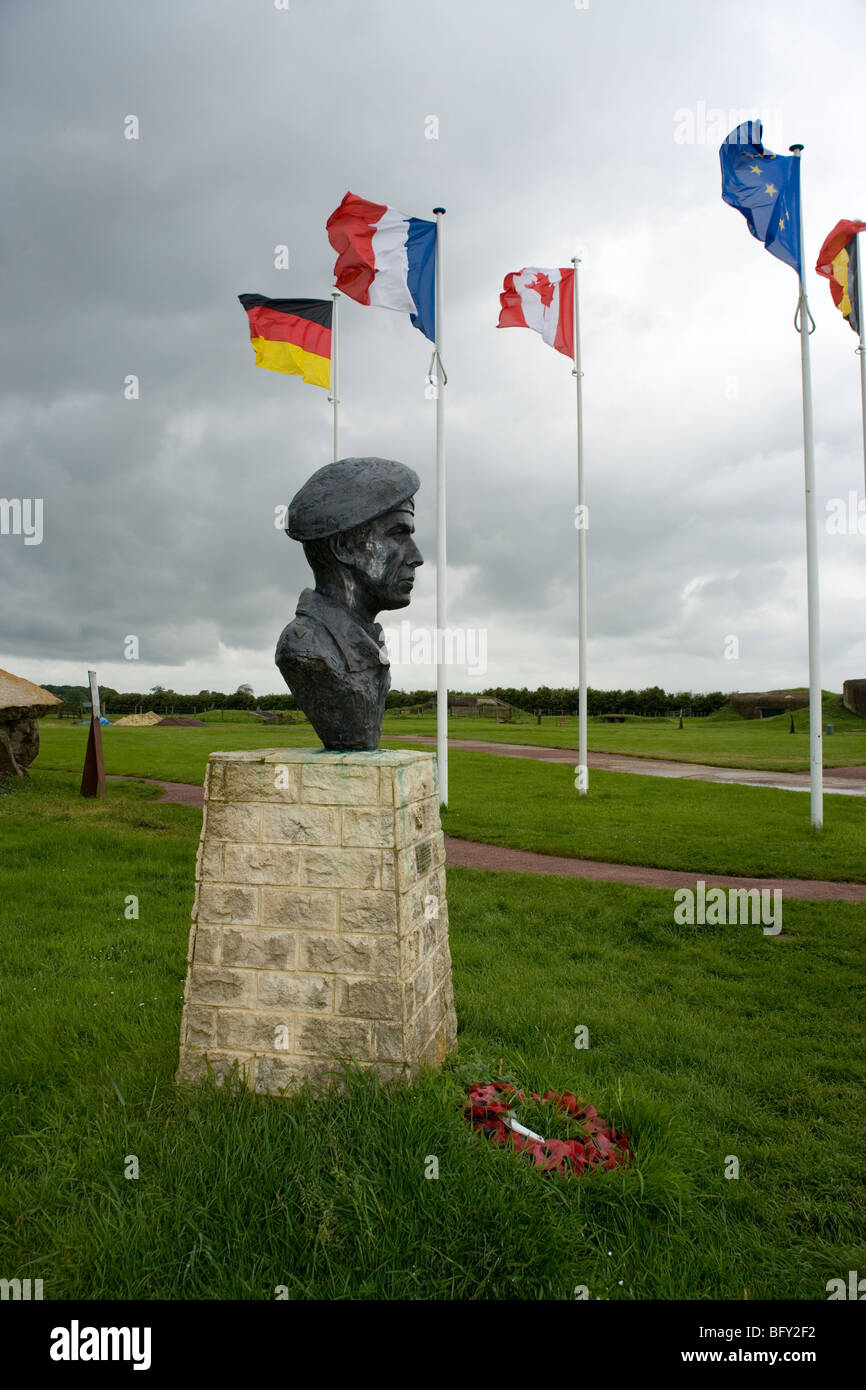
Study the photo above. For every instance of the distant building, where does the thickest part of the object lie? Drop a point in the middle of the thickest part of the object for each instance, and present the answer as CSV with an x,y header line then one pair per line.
x,y
765,704
854,697
487,706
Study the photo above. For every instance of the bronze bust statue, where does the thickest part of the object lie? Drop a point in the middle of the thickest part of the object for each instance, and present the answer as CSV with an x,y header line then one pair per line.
x,y
355,520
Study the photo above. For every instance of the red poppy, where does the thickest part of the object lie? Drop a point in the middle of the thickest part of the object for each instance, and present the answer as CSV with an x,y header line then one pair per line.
x,y
600,1146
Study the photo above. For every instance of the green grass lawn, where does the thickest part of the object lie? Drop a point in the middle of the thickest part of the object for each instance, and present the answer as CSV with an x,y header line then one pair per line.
x,y
704,1043
240,716
664,823
720,740
729,741
173,754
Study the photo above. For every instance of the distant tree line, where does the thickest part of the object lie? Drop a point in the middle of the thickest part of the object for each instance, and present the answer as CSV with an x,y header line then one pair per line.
x,y
161,699
407,699
651,701
561,700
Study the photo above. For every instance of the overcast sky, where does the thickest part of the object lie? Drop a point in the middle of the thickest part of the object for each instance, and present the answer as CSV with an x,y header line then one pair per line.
x,y
559,127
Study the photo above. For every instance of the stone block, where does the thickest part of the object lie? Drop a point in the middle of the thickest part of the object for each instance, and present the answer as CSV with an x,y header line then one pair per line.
x,y
312,909
410,952
343,784
218,903
224,1067
341,1038
386,786
374,998
275,864
408,997
205,943
423,980
420,904
259,948
389,1072
226,821
252,1030
286,989
419,1028
260,782
310,941
340,868
363,825
209,861
217,984
275,1075
417,861
431,932
301,825
387,955
349,955
201,1026
419,821
368,912
389,1041
441,959
415,781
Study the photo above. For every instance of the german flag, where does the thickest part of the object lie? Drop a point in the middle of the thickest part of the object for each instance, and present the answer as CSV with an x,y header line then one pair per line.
x,y
291,335
839,262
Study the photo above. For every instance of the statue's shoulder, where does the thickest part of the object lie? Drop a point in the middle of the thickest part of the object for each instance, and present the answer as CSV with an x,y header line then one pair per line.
x,y
306,641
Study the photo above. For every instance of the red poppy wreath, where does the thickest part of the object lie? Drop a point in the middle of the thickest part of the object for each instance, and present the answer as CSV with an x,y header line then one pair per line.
x,y
593,1143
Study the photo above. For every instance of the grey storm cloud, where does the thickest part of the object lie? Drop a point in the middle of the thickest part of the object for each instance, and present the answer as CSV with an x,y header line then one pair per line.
x,y
557,130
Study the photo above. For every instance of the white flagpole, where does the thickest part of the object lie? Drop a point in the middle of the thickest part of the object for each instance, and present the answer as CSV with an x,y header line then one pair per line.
x,y
583,520
861,352
334,397
804,318
95,711
441,572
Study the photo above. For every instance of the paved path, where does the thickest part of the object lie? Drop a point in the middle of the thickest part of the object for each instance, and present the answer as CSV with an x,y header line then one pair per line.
x,y
472,855
183,793
845,781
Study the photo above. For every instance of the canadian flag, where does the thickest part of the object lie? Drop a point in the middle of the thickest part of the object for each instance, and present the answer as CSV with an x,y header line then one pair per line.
x,y
542,300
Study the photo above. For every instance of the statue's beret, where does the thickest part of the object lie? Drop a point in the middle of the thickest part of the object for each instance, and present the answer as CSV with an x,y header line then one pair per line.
x,y
346,494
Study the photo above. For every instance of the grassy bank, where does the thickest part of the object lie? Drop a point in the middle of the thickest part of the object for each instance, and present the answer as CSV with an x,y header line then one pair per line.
x,y
663,823
704,1043
727,741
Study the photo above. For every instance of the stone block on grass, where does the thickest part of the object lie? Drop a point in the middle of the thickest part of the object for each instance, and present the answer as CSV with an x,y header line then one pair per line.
x,y
320,924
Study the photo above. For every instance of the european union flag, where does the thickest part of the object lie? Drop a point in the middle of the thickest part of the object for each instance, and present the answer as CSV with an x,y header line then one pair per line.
x,y
765,188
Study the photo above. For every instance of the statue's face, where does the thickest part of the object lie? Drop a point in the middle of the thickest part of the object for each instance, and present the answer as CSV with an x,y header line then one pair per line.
x,y
383,556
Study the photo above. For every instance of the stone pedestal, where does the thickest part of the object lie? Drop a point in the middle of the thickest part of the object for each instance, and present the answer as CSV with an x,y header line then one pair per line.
x,y
320,924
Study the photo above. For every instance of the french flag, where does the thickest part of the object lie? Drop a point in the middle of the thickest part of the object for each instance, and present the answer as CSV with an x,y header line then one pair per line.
x,y
385,258
542,300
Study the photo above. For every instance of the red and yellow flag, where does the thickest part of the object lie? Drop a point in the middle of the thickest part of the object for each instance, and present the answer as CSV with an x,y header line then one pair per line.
x,y
291,335
839,262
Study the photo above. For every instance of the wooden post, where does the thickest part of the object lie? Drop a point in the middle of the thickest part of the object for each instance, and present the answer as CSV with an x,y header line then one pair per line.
x,y
93,776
